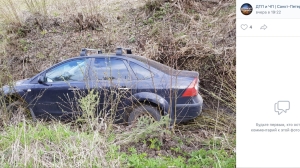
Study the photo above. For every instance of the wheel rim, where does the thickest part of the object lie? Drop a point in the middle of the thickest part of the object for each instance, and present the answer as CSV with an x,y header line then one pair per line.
x,y
143,120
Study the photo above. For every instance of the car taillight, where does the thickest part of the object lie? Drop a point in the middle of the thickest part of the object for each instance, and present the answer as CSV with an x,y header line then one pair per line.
x,y
192,90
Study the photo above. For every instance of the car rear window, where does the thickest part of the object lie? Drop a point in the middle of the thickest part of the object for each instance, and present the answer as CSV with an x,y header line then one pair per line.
x,y
164,68
140,72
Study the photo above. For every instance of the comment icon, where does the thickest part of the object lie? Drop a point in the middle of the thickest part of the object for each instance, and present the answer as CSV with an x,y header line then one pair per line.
x,y
281,106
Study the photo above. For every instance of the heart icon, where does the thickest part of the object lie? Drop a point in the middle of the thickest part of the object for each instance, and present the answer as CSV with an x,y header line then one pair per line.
x,y
244,26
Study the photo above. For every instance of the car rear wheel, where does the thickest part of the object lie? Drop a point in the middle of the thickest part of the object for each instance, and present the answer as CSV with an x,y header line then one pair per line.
x,y
144,115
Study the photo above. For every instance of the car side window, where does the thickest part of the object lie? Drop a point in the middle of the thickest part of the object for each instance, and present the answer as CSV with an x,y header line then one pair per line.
x,y
140,72
70,71
109,69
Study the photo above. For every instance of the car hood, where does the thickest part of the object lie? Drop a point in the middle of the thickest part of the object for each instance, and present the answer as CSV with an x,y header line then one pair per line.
x,y
19,82
9,88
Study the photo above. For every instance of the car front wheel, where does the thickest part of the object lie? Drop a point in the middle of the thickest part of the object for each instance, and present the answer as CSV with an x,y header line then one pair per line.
x,y
17,110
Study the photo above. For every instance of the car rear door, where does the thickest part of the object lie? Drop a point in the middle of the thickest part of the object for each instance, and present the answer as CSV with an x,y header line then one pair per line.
x,y
113,80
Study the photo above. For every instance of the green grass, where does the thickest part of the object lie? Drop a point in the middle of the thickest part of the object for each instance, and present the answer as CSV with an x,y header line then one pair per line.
x,y
53,145
56,144
198,158
59,145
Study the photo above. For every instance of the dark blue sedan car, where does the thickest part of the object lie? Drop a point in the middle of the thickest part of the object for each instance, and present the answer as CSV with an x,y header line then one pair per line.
x,y
128,86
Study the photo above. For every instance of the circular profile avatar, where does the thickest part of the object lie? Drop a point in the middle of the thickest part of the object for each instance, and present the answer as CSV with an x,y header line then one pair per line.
x,y
246,9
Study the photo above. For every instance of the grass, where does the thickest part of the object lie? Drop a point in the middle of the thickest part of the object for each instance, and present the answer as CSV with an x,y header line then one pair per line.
x,y
199,158
55,145
191,35
59,145
88,143
24,143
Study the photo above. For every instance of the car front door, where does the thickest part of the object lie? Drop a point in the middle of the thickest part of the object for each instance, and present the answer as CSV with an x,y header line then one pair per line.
x,y
63,85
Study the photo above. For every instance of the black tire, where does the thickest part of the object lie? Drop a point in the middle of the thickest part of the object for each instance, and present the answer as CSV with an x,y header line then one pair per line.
x,y
14,107
145,111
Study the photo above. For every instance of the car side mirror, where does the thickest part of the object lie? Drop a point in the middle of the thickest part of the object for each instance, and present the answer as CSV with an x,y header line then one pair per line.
x,y
41,80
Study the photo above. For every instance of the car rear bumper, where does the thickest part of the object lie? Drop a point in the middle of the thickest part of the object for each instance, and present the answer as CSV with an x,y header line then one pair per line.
x,y
185,112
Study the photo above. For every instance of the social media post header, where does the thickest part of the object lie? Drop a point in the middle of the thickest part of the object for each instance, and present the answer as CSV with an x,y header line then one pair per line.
x,y
262,9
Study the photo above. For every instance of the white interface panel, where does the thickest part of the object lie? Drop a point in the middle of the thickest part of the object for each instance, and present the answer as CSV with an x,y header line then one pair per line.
x,y
268,83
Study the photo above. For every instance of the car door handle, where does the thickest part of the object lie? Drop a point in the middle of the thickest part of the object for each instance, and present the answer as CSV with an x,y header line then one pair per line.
x,y
73,88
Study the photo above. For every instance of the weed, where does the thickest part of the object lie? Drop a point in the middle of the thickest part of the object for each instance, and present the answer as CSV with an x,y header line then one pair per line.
x,y
44,32
24,44
177,149
132,40
148,21
37,6
155,144
211,158
199,158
